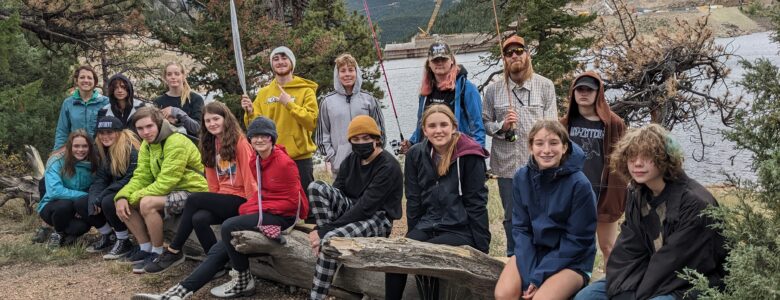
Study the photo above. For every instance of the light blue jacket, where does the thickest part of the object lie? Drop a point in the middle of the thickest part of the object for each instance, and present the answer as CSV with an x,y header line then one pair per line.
x,y
76,114
59,187
468,110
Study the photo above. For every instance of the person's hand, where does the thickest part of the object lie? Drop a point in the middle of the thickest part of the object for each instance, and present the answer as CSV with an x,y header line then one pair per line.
x,y
329,168
247,105
529,293
405,145
168,115
284,97
97,209
123,210
509,119
314,242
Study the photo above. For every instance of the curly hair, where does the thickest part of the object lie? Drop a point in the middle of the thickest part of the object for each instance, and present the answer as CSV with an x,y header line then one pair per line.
x,y
231,134
652,142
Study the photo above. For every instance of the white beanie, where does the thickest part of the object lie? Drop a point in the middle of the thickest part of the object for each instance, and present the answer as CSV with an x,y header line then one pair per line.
x,y
286,52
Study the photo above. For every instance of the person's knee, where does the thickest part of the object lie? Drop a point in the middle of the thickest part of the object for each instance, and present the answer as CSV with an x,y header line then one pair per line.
x,y
107,203
147,206
201,219
315,186
504,291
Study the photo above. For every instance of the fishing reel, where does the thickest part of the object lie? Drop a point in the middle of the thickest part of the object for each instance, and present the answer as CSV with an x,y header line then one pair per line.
x,y
396,146
510,136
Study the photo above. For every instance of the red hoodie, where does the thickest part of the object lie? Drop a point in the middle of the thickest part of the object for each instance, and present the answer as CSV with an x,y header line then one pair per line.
x,y
281,187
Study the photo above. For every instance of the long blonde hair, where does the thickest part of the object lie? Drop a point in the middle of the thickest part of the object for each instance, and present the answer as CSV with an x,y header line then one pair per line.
x,y
185,86
119,152
446,157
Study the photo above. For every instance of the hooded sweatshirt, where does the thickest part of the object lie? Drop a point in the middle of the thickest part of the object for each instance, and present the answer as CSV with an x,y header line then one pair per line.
x,y
612,192
77,114
170,163
642,266
553,219
234,177
336,112
59,187
281,189
112,108
468,110
455,202
295,121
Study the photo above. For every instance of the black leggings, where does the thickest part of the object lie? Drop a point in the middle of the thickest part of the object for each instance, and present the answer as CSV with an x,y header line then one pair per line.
x,y
108,209
224,250
61,214
427,287
200,212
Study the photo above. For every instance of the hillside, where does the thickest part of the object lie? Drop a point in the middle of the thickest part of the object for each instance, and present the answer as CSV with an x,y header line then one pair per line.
x,y
399,19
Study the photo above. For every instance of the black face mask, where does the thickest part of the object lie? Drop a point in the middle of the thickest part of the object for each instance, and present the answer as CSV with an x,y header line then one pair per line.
x,y
363,151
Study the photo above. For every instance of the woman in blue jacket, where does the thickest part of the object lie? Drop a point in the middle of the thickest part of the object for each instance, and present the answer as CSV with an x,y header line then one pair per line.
x,y
68,177
446,196
553,220
80,109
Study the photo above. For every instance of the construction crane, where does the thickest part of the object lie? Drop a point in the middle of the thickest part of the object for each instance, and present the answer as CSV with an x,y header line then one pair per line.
x,y
424,33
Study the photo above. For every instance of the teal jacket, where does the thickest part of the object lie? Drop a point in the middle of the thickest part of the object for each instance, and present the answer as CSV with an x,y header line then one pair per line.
x,y
59,187
77,114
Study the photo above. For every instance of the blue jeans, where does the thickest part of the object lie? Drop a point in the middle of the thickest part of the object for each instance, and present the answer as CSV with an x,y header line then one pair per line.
x,y
598,291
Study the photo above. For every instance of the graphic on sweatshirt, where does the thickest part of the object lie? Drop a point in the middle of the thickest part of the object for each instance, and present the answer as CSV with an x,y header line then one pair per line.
x,y
225,167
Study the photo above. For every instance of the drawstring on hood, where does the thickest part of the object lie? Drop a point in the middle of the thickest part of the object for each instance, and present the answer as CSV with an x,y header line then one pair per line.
x,y
465,146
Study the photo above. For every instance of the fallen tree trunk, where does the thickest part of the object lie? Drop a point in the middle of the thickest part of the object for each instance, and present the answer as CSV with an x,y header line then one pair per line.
x,y
466,273
25,187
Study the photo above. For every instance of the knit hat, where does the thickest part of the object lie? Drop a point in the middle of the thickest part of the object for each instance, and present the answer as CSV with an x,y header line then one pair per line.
x,y
362,124
286,51
512,40
264,126
109,123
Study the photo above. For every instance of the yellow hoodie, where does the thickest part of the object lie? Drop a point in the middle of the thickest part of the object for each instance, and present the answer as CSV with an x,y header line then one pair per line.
x,y
294,122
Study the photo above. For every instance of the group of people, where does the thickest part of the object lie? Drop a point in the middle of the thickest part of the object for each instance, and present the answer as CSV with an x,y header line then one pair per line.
x,y
123,167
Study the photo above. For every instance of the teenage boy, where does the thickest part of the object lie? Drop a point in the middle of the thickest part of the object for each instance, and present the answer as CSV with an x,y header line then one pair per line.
x,y
169,169
596,129
362,202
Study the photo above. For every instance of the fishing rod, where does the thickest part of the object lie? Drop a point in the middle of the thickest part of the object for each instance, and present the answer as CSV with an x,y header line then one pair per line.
x,y
511,134
382,65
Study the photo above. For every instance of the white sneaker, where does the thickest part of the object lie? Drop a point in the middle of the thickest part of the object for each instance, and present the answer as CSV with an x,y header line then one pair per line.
x,y
240,285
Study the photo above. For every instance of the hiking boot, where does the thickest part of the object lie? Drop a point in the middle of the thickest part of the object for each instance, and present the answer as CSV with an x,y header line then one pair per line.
x,y
41,234
55,240
121,248
104,243
138,268
177,292
163,262
241,285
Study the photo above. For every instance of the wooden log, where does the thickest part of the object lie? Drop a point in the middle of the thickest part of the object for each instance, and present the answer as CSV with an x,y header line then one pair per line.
x,y
25,187
464,265
293,264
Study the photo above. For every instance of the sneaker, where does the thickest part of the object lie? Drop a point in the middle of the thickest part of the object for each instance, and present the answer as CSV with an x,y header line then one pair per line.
x,y
121,249
55,240
138,257
133,252
177,292
165,261
241,285
42,234
104,243
138,268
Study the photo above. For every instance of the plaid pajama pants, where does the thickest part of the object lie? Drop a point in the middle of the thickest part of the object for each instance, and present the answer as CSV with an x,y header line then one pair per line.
x,y
328,204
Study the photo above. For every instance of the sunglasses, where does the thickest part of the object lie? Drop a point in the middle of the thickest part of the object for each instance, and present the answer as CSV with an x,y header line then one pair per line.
x,y
519,51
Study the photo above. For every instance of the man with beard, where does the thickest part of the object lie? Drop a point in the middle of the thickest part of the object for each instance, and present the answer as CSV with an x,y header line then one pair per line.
x,y
291,102
532,99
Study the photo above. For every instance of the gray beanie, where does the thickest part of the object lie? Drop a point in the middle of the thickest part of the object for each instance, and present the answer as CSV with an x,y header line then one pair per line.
x,y
264,126
286,51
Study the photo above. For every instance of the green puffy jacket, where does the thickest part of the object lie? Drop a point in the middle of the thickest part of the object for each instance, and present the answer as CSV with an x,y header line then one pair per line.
x,y
170,163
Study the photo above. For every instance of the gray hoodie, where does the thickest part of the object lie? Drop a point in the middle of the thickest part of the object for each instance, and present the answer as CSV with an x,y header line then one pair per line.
x,y
336,112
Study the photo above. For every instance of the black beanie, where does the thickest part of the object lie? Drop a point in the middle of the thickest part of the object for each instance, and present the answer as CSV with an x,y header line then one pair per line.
x,y
262,125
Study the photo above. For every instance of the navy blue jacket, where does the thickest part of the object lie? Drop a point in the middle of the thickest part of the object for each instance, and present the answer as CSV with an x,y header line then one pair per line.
x,y
553,219
469,121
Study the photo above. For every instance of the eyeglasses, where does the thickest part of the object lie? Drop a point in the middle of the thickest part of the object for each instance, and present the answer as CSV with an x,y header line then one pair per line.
x,y
519,51
262,137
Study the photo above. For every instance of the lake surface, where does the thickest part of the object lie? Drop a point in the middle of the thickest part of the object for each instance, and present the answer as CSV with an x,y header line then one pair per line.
x,y
404,77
